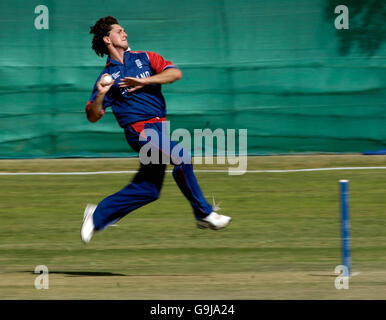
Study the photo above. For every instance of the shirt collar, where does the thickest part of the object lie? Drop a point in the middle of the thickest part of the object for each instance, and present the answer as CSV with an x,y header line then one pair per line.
x,y
110,61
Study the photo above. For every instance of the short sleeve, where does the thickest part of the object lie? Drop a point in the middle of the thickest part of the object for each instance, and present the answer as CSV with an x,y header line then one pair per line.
x,y
158,63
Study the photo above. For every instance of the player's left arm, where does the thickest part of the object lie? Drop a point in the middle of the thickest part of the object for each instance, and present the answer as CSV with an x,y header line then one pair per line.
x,y
167,76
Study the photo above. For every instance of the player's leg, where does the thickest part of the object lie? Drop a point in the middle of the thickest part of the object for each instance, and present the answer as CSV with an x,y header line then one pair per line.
x,y
186,180
144,188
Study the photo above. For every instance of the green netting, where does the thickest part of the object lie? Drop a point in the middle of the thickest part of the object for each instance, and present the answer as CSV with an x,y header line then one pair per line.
x,y
278,68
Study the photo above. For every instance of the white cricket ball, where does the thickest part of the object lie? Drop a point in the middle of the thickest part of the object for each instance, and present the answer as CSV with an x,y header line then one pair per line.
x,y
107,79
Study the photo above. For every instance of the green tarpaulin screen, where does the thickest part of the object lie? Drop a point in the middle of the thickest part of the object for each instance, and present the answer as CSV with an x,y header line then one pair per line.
x,y
279,68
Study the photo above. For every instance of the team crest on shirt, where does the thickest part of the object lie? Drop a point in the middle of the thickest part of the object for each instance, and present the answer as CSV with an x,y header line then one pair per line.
x,y
138,63
116,74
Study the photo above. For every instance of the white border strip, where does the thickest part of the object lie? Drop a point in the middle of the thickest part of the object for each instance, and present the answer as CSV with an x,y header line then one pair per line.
x,y
208,171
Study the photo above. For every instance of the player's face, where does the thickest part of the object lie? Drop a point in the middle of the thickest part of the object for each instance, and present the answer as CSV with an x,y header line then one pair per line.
x,y
118,37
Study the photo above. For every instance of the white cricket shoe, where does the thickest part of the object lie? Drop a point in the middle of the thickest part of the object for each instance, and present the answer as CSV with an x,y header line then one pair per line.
x,y
214,221
87,229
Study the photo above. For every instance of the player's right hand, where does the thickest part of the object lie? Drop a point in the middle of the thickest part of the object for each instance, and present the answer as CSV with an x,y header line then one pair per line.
x,y
102,87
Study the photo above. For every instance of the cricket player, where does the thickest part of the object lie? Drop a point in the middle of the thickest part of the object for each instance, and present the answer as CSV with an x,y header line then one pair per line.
x,y
137,103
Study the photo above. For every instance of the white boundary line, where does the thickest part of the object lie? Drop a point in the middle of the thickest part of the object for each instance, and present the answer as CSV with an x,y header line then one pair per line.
x,y
219,171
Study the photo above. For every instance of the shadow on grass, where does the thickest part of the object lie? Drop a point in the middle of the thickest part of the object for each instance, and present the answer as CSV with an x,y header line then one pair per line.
x,y
109,274
84,273
323,275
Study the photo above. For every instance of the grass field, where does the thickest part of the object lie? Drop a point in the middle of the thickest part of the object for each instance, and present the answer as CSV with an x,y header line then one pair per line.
x,y
283,242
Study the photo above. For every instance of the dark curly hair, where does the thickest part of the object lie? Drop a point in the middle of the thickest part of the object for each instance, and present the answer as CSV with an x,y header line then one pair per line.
x,y
101,29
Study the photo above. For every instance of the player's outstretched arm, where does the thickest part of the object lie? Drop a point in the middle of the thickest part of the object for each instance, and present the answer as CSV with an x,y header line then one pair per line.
x,y
167,76
95,110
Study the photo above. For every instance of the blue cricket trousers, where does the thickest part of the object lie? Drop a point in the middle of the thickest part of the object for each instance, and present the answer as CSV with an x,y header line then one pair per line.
x,y
147,184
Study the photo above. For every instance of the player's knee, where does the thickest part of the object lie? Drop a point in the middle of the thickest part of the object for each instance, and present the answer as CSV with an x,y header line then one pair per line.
x,y
181,158
154,195
182,167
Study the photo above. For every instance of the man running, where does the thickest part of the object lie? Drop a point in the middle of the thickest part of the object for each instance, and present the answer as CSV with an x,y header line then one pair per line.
x,y
137,103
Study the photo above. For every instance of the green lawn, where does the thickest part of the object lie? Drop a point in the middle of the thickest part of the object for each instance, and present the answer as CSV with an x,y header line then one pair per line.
x,y
283,242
